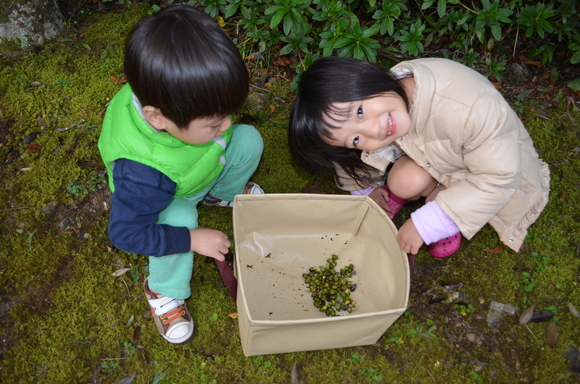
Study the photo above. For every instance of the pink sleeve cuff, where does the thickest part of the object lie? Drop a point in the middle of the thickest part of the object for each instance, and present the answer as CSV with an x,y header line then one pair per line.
x,y
363,192
432,223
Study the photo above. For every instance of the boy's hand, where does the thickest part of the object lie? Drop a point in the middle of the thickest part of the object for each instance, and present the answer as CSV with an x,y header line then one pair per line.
x,y
381,196
209,242
408,238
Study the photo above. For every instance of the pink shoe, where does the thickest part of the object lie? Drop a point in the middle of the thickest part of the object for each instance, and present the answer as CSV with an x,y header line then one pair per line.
x,y
445,247
395,202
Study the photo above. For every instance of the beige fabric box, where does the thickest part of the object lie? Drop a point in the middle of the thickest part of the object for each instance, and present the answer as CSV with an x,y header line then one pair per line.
x,y
278,237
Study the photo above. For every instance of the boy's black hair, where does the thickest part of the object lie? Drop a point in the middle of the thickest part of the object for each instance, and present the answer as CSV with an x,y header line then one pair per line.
x,y
334,80
180,61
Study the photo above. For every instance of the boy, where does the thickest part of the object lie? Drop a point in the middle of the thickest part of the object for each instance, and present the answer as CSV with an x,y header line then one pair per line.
x,y
167,144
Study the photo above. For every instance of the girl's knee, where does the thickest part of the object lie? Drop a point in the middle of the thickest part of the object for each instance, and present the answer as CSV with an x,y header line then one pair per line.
x,y
408,180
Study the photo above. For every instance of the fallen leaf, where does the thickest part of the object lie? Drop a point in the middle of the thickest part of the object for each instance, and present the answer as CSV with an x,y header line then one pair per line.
x,y
272,108
33,147
136,335
552,334
531,62
573,310
453,286
280,99
130,322
295,379
121,271
497,249
313,189
30,138
233,315
527,315
564,195
119,80
128,379
541,316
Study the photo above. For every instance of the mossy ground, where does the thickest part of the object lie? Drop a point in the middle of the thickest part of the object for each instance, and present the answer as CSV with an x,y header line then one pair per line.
x,y
65,318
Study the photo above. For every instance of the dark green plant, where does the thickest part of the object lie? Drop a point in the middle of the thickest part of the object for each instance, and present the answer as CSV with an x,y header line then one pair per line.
x,y
411,39
357,42
214,7
369,29
296,41
388,15
535,19
291,12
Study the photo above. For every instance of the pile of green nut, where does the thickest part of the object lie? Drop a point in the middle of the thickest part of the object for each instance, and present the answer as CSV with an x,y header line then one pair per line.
x,y
330,288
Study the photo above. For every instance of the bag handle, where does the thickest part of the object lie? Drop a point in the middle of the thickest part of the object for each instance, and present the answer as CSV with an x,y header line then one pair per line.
x,y
228,276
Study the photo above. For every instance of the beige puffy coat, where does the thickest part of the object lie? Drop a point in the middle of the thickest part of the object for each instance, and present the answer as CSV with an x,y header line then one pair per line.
x,y
467,137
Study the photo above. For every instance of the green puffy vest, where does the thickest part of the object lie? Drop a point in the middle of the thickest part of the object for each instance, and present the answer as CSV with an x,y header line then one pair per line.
x,y
125,135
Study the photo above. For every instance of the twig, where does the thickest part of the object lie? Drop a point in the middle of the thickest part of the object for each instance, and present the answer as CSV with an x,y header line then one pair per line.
x,y
74,123
533,334
542,116
429,373
516,41
13,209
123,280
260,88
469,9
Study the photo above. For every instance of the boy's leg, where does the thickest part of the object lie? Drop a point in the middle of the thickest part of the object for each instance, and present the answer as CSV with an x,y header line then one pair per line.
x,y
168,284
242,158
171,275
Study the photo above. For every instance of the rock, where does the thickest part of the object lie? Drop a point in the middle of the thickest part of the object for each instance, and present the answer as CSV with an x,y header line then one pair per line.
x,y
65,223
495,306
493,318
509,309
259,102
49,208
478,365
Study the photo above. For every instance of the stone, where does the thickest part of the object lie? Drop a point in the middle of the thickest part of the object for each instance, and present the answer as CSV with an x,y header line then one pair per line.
x,y
493,318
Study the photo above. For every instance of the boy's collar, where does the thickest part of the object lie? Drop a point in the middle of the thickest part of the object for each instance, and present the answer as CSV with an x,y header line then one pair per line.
x,y
139,108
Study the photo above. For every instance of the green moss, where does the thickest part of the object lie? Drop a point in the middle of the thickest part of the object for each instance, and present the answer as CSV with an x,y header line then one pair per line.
x,y
73,321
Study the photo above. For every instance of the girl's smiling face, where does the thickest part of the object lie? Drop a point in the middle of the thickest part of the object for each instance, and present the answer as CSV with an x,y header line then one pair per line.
x,y
368,124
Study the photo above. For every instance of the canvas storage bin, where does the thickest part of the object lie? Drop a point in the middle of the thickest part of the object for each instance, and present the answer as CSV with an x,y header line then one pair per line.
x,y
278,237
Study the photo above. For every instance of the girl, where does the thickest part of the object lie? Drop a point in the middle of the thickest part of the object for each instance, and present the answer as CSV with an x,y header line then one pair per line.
x,y
443,131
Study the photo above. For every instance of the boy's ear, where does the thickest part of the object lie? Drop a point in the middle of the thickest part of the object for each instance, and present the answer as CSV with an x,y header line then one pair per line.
x,y
155,117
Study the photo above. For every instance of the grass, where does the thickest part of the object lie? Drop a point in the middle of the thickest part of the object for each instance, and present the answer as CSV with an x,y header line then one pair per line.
x,y
65,318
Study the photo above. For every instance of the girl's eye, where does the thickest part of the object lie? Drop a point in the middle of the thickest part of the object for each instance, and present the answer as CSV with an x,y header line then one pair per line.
x,y
359,112
355,141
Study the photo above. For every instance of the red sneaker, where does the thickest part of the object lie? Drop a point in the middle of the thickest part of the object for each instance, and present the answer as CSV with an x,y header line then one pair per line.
x,y
445,247
395,202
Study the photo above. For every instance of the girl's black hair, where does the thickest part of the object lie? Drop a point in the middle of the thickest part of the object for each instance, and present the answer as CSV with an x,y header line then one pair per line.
x,y
180,61
334,80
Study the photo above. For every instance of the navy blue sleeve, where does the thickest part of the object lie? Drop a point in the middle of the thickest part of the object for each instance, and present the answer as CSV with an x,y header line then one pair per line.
x,y
141,193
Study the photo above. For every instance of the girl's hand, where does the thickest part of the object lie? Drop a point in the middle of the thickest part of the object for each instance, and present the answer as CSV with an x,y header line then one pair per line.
x,y
409,239
381,196
209,242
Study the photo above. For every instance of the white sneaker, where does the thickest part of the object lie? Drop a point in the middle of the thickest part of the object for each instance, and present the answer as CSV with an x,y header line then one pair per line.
x,y
171,316
251,189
